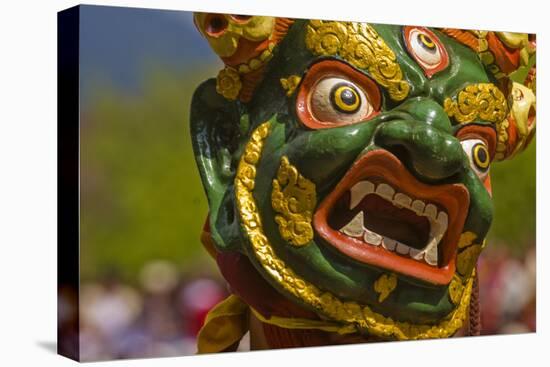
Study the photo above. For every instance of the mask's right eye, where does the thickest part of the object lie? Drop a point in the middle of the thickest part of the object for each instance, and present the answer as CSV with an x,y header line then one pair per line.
x,y
334,94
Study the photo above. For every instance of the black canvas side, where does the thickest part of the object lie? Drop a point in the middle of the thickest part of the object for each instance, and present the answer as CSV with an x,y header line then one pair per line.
x,y
68,120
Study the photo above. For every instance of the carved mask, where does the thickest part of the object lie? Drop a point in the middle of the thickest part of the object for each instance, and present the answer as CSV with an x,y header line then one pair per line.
x,y
355,182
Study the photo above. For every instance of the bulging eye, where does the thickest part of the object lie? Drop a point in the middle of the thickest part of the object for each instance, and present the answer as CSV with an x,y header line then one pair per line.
x,y
336,100
334,94
426,49
479,156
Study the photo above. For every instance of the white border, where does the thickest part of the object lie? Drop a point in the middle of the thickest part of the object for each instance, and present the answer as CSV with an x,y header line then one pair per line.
x,y
28,181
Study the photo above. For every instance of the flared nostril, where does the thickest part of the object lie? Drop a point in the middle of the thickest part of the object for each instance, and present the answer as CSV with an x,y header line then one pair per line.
x,y
431,154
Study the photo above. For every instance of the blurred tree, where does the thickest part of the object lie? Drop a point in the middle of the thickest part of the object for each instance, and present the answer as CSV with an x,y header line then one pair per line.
x,y
141,195
514,194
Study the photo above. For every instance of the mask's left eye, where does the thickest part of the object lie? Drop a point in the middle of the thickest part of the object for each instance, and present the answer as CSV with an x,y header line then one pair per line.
x,y
334,94
478,155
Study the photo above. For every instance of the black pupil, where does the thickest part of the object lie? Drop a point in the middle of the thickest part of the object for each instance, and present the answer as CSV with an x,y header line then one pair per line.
x,y
348,97
424,41
342,95
482,155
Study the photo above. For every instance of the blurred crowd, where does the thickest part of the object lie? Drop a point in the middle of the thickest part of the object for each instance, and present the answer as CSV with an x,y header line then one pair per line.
x,y
507,290
162,313
158,316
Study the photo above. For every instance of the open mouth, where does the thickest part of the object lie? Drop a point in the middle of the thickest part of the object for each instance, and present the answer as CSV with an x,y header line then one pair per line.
x,y
379,214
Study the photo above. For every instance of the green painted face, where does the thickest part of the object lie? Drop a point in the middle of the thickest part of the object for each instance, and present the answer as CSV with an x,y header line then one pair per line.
x,y
354,180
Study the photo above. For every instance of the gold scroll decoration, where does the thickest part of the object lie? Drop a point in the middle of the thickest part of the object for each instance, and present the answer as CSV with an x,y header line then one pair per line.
x,y
293,198
349,313
385,285
360,45
456,289
481,101
289,84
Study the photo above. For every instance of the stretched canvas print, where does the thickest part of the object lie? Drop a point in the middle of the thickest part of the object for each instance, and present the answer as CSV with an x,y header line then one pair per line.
x,y
234,182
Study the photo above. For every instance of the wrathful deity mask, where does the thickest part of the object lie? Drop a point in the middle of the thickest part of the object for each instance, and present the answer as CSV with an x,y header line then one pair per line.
x,y
346,167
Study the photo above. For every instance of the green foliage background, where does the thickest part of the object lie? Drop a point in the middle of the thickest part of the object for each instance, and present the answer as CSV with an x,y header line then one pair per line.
x,y
141,195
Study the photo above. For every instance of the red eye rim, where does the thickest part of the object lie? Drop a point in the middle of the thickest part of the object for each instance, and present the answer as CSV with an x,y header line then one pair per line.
x,y
429,71
483,132
488,135
334,68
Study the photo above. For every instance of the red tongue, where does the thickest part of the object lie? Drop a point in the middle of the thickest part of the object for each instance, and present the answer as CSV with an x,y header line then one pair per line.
x,y
384,218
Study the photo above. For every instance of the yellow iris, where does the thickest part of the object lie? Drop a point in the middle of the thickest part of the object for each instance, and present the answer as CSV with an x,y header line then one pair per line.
x,y
346,99
426,41
481,156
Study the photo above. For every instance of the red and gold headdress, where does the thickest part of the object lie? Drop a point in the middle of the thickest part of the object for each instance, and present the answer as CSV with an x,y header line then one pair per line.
x,y
503,54
245,45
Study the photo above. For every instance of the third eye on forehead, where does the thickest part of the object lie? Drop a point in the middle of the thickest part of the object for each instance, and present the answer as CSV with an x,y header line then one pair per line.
x,y
426,41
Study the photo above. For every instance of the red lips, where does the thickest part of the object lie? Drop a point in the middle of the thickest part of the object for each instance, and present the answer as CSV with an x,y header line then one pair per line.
x,y
383,167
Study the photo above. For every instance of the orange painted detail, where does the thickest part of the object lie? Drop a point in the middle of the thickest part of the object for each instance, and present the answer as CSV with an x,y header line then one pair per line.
x,y
462,36
506,58
486,133
281,28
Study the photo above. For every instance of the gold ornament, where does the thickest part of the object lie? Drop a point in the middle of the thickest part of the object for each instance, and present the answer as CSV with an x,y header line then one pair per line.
x,y
385,285
350,314
466,239
289,84
467,259
502,140
482,101
228,83
456,288
294,198
361,46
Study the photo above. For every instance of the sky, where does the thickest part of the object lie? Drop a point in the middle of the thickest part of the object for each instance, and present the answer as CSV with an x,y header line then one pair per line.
x,y
118,45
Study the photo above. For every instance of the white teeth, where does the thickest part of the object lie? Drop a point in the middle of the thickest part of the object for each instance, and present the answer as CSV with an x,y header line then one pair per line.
x,y
402,249
372,238
431,255
418,207
430,211
402,200
359,191
439,221
386,191
416,254
443,220
389,244
355,227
